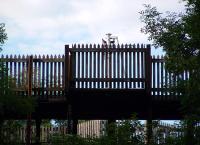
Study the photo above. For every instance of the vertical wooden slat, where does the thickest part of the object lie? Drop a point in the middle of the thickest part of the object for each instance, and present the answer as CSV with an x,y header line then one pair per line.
x,y
110,67
30,72
134,65
39,75
47,76
51,75
106,65
55,76
11,68
59,76
98,64
43,75
114,66
63,74
102,65
154,76
86,65
35,75
122,66
138,66
130,66
79,67
162,76
126,66
83,66
118,66
19,74
142,66
80,63
23,75
90,65
72,69
15,72
66,69
158,77
27,59
95,66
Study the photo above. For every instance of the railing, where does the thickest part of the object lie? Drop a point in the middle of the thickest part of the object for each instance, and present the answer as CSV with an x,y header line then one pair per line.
x,y
46,78
91,67
163,81
109,67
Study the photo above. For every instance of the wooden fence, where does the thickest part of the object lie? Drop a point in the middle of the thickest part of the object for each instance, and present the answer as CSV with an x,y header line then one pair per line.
x,y
91,67
163,81
114,67
47,75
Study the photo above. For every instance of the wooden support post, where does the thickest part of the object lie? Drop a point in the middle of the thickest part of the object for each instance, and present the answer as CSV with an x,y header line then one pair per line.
x,y
69,120
74,126
38,123
28,130
30,71
149,133
67,70
67,85
72,69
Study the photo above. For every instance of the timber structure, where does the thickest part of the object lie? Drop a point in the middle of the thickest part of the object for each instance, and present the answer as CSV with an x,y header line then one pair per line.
x,y
97,82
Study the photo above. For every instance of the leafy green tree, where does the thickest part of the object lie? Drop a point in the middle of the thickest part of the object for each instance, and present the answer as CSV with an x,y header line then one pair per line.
x,y
10,101
179,35
3,35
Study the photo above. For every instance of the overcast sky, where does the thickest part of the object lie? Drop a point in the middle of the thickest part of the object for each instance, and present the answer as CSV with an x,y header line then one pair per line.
x,y
45,26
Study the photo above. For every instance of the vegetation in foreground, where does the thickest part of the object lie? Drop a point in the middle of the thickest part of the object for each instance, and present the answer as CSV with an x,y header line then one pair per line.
x,y
127,132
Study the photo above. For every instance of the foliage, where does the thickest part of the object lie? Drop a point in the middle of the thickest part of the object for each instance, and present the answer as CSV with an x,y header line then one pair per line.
x,y
3,35
10,135
11,103
179,35
126,132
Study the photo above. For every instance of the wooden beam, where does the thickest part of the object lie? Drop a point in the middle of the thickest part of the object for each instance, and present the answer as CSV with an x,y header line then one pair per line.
x,y
30,73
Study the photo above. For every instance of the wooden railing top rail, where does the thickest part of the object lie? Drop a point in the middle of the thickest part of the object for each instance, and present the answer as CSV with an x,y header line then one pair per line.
x,y
108,48
39,58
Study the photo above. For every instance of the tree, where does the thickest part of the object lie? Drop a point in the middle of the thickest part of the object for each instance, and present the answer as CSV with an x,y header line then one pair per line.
x,y
179,35
3,35
10,101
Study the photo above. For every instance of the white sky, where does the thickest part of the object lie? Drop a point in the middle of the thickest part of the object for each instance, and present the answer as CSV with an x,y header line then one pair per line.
x,y
45,26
